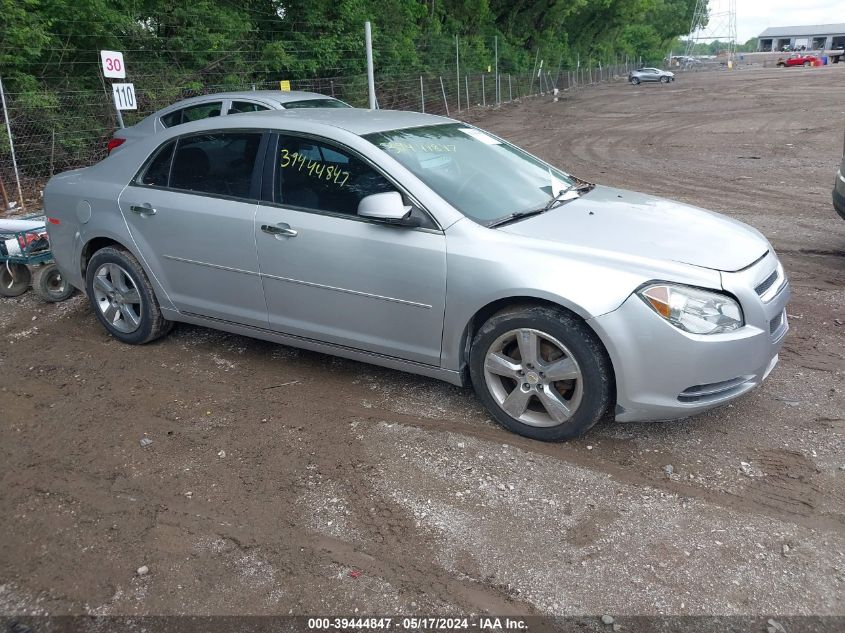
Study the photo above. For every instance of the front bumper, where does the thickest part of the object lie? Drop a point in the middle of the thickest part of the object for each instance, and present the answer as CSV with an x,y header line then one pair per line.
x,y
839,194
664,373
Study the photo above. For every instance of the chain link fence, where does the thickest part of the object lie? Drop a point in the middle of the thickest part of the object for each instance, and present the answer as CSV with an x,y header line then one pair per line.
x,y
54,131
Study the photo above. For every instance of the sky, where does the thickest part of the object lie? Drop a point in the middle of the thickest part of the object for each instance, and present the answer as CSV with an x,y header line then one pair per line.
x,y
754,16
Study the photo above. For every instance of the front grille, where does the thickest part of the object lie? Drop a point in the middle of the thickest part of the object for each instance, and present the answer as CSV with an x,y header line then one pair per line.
x,y
713,390
767,283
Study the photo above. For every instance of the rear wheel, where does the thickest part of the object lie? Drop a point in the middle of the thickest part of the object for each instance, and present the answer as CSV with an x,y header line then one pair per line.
x,y
635,80
14,279
541,372
122,297
50,285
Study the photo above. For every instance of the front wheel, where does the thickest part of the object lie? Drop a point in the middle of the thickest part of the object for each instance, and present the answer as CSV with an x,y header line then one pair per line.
x,y
807,64
664,80
635,80
122,297
541,372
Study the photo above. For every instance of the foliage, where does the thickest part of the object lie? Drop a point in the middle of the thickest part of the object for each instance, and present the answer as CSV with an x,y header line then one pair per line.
x,y
50,66
714,47
55,42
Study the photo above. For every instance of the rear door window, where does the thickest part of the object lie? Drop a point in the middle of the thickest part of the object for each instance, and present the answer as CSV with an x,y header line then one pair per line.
x,y
158,171
192,113
216,163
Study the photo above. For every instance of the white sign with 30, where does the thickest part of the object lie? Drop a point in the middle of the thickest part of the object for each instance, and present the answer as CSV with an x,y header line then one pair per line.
x,y
113,67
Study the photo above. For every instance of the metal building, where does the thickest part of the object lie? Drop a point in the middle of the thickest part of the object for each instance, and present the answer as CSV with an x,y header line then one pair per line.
x,y
814,37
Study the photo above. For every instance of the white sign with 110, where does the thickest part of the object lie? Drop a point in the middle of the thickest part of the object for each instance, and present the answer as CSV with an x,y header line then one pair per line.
x,y
124,96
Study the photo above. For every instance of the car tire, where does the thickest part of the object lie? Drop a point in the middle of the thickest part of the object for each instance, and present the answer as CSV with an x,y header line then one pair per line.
x,y
562,343
807,64
664,80
14,279
122,297
781,65
49,284
635,81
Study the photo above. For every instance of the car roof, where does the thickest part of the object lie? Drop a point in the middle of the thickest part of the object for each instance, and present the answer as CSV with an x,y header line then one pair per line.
x,y
358,121
279,96
147,124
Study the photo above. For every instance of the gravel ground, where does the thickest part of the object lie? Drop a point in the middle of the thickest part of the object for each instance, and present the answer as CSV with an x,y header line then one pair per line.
x,y
282,481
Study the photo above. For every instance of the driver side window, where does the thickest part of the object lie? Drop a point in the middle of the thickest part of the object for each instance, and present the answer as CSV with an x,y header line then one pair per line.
x,y
318,176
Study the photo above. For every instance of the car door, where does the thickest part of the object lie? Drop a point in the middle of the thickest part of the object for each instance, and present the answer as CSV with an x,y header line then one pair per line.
x,y
191,213
333,276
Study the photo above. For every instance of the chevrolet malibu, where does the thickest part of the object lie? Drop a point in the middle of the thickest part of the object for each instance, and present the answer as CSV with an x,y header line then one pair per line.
x,y
427,245
220,104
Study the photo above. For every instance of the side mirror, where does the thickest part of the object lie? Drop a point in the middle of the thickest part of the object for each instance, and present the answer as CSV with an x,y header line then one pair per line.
x,y
386,207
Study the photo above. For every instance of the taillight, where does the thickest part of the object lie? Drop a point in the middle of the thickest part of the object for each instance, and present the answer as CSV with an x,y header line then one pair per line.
x,y
115,142
54,220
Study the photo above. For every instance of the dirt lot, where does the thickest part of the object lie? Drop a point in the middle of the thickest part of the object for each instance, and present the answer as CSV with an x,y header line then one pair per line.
x,y
282,481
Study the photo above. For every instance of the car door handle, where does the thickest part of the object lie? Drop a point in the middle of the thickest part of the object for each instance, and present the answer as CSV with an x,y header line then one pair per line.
x,y
281,229
143,209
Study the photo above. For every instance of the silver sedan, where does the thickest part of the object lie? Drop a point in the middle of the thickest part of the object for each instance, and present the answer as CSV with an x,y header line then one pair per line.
x,y
220,104
424,244
650,74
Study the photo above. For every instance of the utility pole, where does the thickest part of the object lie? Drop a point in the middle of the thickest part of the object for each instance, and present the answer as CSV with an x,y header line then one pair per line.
x,y
458,72
371,82
11,147
496,48
533,70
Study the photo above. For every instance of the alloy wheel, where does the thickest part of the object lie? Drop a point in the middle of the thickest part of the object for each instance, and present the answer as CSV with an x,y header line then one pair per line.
x,y
118,298
533,377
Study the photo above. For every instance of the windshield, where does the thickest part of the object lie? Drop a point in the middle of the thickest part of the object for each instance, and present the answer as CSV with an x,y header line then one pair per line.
x,y
315,103
484,178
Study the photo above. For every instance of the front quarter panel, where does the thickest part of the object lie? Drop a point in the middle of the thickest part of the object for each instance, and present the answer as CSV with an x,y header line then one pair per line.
x,y
486,266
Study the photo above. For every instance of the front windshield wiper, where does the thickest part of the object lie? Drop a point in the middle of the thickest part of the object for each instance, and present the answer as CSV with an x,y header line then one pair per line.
x,y
518,215
563,192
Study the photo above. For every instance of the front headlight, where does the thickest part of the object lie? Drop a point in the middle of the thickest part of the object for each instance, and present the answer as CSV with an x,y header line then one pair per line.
x,y
693,310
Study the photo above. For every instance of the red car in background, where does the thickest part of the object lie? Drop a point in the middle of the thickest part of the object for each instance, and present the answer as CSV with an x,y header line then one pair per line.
x,y
797,60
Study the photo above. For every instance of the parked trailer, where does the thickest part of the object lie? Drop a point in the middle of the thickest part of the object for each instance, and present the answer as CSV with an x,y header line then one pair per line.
x,y
26,260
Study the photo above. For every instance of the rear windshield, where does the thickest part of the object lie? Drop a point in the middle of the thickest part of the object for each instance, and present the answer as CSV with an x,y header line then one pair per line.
x,y
315,103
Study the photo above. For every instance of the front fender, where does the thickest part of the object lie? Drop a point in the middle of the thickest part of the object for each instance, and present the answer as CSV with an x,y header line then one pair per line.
x,y
487,266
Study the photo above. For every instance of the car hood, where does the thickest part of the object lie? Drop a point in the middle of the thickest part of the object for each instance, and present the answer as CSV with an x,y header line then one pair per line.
x,y
637,224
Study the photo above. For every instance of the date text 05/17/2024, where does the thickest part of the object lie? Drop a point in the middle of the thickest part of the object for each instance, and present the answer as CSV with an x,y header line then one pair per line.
x,y
417,624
